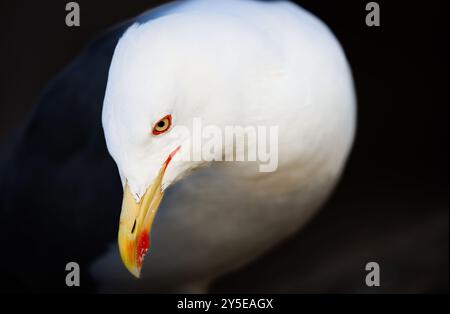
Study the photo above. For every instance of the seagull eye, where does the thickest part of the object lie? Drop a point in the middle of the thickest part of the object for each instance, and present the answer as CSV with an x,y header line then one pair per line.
x,y
162,125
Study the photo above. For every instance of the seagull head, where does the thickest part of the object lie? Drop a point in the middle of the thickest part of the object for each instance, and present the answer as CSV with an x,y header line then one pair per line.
x,y
163,75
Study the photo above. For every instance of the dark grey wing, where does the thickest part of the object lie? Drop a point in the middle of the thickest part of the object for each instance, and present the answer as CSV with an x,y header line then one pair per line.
x,y
60,192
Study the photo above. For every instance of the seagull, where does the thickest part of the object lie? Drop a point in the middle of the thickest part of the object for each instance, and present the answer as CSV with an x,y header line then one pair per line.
x,y
241,63
183,223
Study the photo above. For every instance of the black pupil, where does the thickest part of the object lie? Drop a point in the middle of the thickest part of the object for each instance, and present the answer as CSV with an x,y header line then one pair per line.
x,y
161,124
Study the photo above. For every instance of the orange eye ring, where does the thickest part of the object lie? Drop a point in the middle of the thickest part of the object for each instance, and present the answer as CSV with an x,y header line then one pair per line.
x,y
162,125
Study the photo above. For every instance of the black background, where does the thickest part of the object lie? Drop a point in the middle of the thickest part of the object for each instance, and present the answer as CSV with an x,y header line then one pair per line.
x,y
392,203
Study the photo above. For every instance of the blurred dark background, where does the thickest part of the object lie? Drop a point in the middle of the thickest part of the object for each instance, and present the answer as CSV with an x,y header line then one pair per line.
x,y
392,204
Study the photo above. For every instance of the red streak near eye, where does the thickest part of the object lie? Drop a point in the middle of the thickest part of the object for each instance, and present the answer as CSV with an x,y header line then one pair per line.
x,y
171,157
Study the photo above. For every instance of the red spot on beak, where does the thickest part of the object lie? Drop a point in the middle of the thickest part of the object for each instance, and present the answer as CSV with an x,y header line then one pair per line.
x,y
143,246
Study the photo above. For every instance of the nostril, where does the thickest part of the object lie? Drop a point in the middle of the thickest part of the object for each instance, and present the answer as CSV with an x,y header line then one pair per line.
x,y
134,227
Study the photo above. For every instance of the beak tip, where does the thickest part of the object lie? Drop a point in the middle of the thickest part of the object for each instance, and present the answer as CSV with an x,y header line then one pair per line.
x,y
135,271
137,274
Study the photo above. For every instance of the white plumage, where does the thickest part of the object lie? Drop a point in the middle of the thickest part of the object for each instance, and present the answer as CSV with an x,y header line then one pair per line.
x,y
231,63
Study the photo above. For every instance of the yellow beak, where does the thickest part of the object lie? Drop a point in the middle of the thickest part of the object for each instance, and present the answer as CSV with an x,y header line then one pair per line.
x,y
136,221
